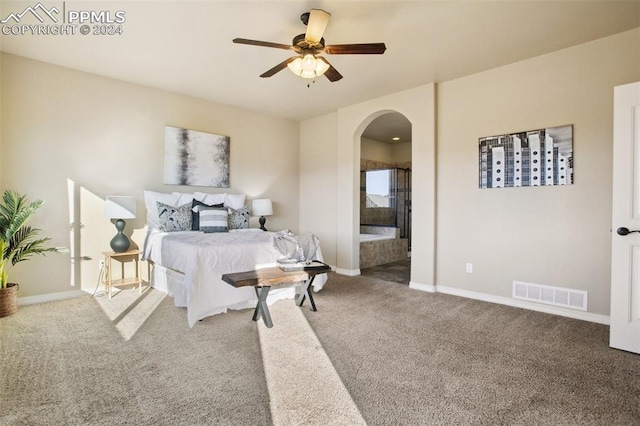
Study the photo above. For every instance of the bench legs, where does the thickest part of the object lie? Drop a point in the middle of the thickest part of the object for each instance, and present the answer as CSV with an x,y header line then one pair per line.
x,y
306,292
261,308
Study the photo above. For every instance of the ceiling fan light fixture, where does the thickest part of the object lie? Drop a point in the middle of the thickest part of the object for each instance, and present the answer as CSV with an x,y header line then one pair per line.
x,y
321,67
308,63
296,66
309,45
308,66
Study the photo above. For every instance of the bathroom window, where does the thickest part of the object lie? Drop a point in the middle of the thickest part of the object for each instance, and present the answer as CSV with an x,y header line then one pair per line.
x,y
378,184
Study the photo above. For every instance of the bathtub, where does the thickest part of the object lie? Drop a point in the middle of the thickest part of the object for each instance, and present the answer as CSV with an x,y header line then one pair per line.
x,y
378,249
375,237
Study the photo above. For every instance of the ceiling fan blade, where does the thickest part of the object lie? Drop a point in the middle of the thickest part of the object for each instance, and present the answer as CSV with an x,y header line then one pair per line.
x,y
282,65
262,43
362,48
318,20
332,74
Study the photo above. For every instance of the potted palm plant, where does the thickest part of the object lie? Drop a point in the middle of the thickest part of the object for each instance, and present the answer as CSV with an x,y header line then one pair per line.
x,y
18,242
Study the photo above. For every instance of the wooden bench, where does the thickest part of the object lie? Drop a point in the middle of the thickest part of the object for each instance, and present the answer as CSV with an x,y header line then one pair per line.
x,y
263,279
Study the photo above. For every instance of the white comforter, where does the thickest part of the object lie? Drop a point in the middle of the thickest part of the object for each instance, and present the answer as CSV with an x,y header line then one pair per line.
x,y
203,258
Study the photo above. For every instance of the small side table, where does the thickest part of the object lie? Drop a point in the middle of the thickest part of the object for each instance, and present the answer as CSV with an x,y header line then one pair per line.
x,y
127,256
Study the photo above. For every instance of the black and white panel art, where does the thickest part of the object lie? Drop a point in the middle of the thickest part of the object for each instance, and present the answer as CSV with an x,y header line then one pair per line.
x,y
542,157
195,158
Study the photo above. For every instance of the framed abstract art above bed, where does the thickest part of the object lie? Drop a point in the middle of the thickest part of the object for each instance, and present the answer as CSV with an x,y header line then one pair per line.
x,y
195,158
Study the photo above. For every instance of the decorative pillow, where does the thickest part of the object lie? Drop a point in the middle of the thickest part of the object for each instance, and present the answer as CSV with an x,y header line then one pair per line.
x,y
239,219
195,209
174,218
173,199
210,199
213,219
234,201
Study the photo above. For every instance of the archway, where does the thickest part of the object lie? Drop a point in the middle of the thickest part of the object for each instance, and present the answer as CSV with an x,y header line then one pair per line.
x,y
385,194
333,141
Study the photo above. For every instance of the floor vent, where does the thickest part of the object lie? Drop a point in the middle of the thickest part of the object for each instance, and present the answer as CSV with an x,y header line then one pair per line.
x,y
557,296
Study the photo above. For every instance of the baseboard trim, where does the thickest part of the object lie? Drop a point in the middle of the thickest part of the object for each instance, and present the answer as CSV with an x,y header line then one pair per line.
x,y
51,297
422,287
580,315
348,272
585,316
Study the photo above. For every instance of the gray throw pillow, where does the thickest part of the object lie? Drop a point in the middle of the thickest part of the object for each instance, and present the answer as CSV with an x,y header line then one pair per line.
x,y
239,219
174,218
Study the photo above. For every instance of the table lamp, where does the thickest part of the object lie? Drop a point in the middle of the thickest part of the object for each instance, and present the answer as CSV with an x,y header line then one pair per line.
x,y
120,208
262,207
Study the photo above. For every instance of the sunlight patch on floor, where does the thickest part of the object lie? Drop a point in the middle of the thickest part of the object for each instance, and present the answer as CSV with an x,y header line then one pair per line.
x,y
128,309
304,387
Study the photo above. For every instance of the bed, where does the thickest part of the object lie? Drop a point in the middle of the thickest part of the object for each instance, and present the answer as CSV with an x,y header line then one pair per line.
x,y
188,264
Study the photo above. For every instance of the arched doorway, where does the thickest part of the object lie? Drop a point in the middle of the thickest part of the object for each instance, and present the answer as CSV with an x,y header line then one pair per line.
x,y
385,195
342,159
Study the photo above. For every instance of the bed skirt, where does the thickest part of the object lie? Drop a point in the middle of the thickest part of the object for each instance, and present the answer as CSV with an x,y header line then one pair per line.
x,y
172,283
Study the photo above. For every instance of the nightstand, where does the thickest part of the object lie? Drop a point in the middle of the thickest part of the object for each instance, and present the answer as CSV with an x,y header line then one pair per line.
x,y
127,256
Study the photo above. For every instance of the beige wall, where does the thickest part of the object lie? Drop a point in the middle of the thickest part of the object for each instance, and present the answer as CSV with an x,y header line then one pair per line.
x,y
318,181
385,152
1,126
374,150
72,138
401,152
556,236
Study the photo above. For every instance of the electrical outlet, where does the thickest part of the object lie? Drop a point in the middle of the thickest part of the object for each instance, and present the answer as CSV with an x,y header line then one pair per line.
x,y
100,264
469,268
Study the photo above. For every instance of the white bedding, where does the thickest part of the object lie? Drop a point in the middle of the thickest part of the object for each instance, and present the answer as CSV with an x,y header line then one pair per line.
x,y
203,258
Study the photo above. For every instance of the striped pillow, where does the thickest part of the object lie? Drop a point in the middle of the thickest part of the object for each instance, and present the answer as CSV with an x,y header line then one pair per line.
x,y
213,219
195,207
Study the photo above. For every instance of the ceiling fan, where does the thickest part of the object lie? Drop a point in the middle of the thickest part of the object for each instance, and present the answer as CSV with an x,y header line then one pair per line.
x,y
308,46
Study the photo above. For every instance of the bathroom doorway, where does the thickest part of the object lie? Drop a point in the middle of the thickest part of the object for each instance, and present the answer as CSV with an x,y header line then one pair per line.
x,y
385,191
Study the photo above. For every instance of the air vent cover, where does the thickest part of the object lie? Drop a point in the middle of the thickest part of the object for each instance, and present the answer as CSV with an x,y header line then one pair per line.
x,y
557,296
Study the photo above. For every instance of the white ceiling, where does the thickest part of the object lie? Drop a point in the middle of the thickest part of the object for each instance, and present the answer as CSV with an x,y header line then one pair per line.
x,y
185,46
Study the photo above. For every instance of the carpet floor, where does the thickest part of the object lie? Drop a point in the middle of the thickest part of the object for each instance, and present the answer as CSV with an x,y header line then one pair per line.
x,y
409,357
375,352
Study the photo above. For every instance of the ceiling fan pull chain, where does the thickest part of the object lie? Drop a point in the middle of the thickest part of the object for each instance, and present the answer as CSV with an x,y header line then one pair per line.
x,y
313,81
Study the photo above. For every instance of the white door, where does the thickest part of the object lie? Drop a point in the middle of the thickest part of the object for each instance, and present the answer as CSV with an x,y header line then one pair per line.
x,y
625,245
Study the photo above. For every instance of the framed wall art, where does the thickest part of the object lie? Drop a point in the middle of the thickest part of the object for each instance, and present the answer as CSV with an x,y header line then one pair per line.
x,y
195,158
542,157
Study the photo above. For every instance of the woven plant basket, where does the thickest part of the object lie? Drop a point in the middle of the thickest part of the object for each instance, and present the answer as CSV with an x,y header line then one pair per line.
x,y
9,300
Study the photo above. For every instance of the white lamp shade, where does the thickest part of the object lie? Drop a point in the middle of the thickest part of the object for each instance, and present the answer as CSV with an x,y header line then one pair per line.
x,y
262,207
120,207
